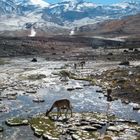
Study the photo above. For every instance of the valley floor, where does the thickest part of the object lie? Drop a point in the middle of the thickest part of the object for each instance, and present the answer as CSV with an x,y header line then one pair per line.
x,y
29,88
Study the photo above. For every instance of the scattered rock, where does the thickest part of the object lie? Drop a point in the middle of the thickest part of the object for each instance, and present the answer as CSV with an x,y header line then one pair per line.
x,y
88,128
126,63
100,91
117,128
86,85
98,126
82,123
133,122
16,122
1,129
110,53
38,100
34,60
75,137
11,97
70,88
36,76
31,91
38,132
136,108
78,88
125,51
48,137
72,129
136,50
126,101
3,108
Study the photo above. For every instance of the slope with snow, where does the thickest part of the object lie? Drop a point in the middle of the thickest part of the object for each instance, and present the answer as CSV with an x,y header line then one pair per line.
x,y
14,14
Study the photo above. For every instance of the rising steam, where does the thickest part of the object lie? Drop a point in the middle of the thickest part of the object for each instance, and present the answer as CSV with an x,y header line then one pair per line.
x,y
72,32
33,32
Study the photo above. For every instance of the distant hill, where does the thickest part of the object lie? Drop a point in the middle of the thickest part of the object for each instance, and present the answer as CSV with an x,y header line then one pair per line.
x,y
128,26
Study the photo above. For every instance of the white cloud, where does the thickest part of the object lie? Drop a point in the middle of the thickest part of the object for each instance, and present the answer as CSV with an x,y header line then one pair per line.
x,y
40,3
73,0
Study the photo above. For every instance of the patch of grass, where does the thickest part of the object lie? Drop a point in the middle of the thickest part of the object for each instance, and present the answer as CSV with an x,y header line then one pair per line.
x,y
89,79
36,76
41,125
65,73
3,62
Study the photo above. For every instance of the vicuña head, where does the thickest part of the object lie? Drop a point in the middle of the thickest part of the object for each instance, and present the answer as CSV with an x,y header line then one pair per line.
x,y
60,104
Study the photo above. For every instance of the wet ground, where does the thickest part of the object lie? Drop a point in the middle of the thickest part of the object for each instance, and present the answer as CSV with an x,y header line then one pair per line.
x,y
18,80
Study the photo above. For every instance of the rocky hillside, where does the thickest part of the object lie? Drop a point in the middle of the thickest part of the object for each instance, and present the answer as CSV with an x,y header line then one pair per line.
x,y
128,26
17,13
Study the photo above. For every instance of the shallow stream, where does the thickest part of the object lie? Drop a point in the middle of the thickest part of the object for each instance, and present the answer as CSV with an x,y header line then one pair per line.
x,y
83,99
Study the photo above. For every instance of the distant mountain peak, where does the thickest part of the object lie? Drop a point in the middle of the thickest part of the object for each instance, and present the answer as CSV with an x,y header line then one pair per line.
x,y
68,13
40,3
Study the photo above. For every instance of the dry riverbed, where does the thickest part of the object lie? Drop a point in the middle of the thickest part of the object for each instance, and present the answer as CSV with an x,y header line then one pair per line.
x,y
28,88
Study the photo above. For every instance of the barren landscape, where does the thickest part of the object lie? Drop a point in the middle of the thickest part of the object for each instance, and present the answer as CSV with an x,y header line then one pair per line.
x,y
69,70
35,72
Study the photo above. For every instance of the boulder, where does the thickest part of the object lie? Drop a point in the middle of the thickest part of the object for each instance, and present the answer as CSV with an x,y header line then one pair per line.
x,y
110,53
75,137
16,122
31,91
34,60
49,137
88,128
38,132
99,91
10,97
125,63
117,128
98,126
136,108
1,129
70,88
82,123
38,100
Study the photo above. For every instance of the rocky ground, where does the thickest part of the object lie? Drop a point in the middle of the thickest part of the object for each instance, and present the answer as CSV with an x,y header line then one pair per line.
x,y
124,80
21,80
91,126
69,48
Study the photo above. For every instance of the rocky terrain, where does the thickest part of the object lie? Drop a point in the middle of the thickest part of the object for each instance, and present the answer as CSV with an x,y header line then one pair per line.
x,y
123,28
70,48
80,126
75,51
29,88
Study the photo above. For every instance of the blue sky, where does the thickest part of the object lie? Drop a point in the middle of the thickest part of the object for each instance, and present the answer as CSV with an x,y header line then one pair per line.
x,y
94,1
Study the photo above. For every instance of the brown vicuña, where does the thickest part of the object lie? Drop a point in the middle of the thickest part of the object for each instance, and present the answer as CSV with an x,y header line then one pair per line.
x,y
61,104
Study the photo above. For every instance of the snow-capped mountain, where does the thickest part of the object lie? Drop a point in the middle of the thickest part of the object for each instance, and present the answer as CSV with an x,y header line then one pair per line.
x,y
17,13
72,12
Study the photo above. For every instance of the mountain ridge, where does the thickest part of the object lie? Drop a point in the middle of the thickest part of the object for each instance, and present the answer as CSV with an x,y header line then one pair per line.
x,y
15,14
